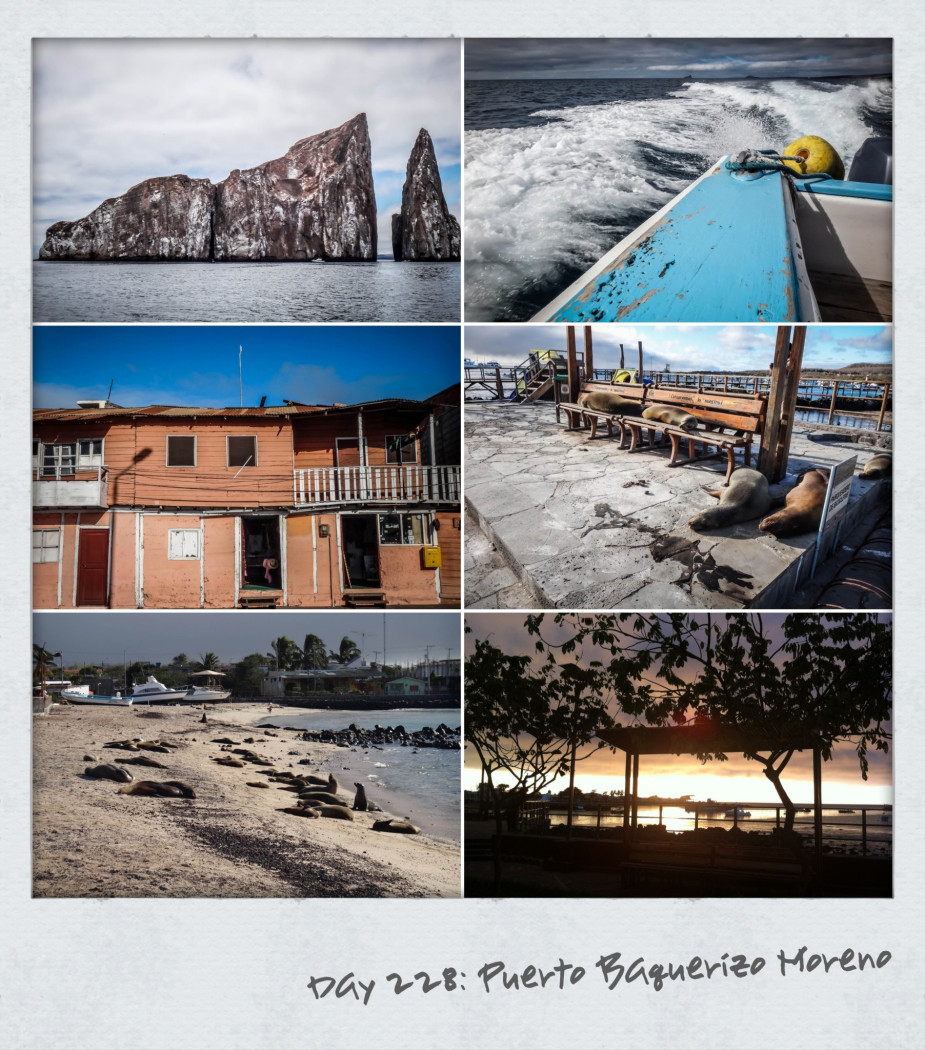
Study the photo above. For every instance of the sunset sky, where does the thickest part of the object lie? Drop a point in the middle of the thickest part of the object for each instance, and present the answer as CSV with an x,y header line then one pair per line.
x,y
735,780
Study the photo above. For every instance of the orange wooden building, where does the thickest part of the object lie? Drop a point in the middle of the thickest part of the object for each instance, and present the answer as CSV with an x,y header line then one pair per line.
x,y
294,505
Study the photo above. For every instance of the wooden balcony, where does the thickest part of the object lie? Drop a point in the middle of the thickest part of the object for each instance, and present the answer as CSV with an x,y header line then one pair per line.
x,y
61,493
389,485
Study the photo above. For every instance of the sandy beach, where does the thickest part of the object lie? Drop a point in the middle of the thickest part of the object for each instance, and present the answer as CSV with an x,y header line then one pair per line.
x,y
232,840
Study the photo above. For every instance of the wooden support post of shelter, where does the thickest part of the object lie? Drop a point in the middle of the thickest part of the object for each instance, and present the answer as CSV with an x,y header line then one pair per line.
x,y
883,404
785,377
588,369
574,377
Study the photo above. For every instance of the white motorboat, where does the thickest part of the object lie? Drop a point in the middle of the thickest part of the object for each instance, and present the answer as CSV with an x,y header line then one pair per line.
x,y
209,692
151,691
81,694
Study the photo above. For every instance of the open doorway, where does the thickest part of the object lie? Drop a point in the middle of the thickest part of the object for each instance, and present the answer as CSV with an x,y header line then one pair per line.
x,y
361,550
260,546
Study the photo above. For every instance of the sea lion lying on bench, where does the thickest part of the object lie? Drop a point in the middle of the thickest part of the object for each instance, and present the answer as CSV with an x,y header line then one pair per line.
x,y
675,417
612,403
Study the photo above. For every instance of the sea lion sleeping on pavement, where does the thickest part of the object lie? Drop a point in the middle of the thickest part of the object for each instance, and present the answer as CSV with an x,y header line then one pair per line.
x,y
878,467
745,497
803,511
675,417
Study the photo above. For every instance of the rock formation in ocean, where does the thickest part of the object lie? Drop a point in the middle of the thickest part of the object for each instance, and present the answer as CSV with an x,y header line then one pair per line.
x,y
424,231
316,202
167,219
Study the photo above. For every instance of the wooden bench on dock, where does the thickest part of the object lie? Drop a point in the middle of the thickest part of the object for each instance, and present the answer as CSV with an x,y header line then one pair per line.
x,y
727,422
713,867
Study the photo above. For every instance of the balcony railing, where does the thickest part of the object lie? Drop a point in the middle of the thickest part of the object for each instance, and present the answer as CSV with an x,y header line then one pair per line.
x,y
385,485
70,491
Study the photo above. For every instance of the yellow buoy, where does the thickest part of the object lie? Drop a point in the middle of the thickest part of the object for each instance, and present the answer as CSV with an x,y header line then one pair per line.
x,y
623,375
814,156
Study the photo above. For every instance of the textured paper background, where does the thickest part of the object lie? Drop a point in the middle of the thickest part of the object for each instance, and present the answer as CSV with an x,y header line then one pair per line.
x,y
234,973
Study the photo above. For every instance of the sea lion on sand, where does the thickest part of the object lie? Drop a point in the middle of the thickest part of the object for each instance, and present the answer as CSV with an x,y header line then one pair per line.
x,y
144,760
878,467
156,788
329,782
309,797
675,417
607,401
803,511
359,799
401,827
745,497
227,760
336,812
256,784
109,772
125,745
300,812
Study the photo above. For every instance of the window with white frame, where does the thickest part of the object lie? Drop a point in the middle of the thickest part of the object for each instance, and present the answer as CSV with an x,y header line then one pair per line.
x,y
242,451
64,458
183,544
402,528
181,450
401,448
46,545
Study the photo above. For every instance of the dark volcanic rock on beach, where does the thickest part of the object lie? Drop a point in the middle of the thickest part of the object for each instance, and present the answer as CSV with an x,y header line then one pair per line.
x,y
424,231
167,219
316,202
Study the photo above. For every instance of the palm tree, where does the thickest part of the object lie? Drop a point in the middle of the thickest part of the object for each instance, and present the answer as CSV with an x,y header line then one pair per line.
x,y
314,653
42,660
208,662
349,650
287,654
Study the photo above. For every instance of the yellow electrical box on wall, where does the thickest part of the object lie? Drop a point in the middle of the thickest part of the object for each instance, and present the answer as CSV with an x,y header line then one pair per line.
x,y
431,558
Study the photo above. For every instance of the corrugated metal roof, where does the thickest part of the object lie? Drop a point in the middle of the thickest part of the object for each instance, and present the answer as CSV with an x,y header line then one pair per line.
x,y
173,411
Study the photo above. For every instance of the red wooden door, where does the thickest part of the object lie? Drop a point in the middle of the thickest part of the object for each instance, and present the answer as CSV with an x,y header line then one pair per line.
x,y
92,566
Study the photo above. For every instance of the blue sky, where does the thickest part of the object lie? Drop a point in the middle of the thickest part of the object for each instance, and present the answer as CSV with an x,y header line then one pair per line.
x,y
701,58
108,114
198,365
685,347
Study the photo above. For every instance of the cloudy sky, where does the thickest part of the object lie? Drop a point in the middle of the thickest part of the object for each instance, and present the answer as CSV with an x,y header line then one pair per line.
x,y
791,57
685,347
198,365
735,780
160,636
108,114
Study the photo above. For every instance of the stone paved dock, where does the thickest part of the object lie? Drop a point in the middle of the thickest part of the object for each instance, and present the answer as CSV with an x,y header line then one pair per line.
x,y
566,522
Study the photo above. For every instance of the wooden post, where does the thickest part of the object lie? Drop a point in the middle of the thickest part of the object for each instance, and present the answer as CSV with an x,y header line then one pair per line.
x,y
589,354
626,796
832,402
817,804
785,371
499,386
574,379
621,355
635,791
794,368
883,404
640,374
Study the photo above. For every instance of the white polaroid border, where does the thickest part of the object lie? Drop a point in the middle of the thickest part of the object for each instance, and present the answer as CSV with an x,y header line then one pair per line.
x,y
232,973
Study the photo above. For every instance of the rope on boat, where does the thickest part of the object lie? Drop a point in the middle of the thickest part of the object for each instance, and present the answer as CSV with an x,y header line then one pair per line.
x,y
758,160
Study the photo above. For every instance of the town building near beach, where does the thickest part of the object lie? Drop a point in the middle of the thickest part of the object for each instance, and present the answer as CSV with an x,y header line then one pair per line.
x,y
295,505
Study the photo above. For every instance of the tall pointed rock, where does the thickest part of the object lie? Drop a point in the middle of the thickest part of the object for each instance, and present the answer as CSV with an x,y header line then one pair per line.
x,y
424,231
316,202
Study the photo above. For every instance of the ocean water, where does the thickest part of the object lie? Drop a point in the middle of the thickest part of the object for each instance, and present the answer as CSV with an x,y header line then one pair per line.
x,y
243,292
839,828
427,779
558,171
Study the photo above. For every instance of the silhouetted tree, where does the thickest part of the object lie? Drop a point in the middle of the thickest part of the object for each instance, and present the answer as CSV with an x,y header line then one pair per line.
x,y
802,676
314,653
